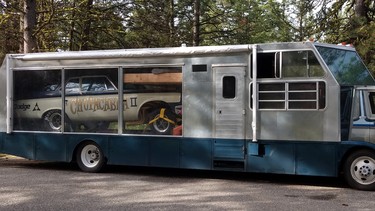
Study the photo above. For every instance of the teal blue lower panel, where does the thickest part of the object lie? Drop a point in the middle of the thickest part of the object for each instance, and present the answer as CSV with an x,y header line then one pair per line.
x,y
132,151
164,152
284,157
175,152
196,153
51,147
144,151
316,159
1,142
19,144
228,149
271,158
287,157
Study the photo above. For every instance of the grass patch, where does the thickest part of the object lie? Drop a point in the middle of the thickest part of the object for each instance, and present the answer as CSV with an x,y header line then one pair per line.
x,y
129,126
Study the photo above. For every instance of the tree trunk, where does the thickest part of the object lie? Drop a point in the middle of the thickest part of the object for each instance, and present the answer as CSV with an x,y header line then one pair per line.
x,y
29,23
196,23
87,26
360,8
171,23
72,28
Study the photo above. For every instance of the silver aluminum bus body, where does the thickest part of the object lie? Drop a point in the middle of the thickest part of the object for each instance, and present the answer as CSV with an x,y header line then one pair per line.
x,y
195,125
271,119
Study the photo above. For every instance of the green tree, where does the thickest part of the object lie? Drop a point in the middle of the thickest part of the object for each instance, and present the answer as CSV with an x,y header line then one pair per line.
x,y
61,25
362,29
89,24
152,24
298,19
10,38
18,21
352,22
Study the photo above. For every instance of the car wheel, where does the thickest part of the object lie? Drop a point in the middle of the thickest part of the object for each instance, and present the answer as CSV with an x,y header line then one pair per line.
x,y
159,125
52,120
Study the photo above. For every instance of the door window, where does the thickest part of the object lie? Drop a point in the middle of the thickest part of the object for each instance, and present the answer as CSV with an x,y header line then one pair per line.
x,y
229,87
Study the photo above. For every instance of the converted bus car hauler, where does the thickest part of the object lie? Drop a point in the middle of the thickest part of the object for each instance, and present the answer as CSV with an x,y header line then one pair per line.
x,y
285,108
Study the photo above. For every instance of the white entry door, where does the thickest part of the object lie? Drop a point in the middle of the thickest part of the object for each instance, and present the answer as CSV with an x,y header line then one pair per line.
x,y
229,101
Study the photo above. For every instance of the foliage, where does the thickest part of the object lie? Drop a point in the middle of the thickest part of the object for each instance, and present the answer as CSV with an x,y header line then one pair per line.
x,y
64,25
352,22
366,43
151,24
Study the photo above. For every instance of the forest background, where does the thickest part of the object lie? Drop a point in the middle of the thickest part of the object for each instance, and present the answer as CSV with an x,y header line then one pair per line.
x,y
75,25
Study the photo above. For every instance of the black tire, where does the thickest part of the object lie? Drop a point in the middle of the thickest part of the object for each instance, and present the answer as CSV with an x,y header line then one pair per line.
x,y
52,120
90,157
359,170
161,126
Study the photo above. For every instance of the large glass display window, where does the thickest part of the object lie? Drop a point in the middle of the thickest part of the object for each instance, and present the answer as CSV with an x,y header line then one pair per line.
x,y
152,100
91,100
37,100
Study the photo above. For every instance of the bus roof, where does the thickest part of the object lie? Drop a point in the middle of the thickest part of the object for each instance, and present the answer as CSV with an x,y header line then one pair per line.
x,y
171,51
341,64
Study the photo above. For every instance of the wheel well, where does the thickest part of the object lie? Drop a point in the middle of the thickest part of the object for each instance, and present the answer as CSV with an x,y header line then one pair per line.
x,y
48,111
147,107
348,153
155,104
80,144
74,155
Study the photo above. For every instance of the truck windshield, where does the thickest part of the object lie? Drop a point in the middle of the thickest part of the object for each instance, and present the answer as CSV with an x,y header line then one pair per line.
x,y
346,66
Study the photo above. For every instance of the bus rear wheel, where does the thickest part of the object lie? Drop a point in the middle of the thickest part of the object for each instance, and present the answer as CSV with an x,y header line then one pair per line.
x,y
90,157
359,170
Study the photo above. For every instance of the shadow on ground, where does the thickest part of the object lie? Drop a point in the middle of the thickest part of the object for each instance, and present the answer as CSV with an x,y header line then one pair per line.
x,y
184,173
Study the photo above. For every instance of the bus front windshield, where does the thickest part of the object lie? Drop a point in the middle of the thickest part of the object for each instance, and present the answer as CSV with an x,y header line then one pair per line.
x,y
346,66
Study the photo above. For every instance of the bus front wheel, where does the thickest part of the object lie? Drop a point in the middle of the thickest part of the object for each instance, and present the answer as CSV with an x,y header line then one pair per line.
x,y
359,170
90,157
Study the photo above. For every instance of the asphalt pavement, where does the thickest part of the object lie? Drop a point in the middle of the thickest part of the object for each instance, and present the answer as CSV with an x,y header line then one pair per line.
x,y
33,185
